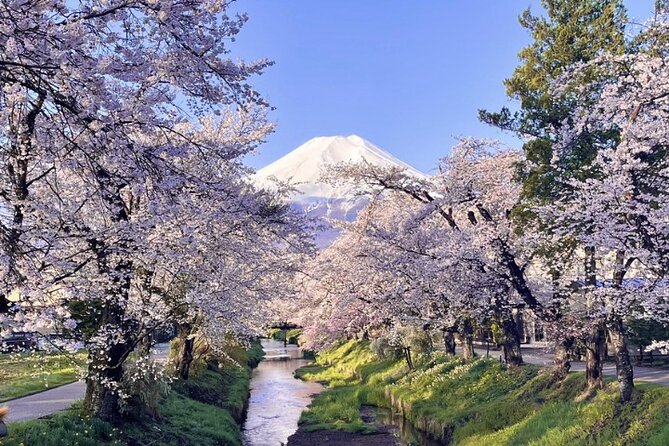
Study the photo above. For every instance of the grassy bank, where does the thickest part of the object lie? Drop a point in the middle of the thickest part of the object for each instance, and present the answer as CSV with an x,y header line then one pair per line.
x,y
205,410
23,374
481,403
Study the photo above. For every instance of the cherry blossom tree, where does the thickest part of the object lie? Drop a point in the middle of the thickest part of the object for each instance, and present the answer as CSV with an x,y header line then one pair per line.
x,y
620,211
123,203
473,197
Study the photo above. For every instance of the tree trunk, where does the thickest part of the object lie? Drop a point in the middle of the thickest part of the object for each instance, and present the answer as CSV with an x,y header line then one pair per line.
x,y
144,346
4,304
561,361
624,370
467,340
186,353
449,342
596,343
430,343
510,340
17,162
105,371
105,374
407,357
594,358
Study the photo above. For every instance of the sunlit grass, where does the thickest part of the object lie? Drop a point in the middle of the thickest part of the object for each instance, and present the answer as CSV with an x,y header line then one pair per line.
x,y
23,374
481,403
337,409
291,336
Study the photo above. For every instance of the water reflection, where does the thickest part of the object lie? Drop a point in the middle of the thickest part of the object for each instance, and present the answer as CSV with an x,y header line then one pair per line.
x,y
407,434
277,398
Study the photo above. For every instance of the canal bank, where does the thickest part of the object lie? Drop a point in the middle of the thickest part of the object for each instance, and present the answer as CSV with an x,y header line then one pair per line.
x,y
475,403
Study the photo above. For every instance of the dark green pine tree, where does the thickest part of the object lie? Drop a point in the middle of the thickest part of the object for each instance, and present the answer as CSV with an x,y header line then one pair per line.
x,y
571,31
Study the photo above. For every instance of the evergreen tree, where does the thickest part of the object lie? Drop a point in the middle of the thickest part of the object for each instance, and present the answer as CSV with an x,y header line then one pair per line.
x,y
572,31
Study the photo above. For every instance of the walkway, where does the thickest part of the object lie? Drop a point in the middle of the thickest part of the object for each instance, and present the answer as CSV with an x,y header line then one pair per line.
x,y
45,403
60,398
539,356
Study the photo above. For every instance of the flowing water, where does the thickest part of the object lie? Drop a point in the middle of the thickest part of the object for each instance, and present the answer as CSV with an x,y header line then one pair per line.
x,y
406,434
277,398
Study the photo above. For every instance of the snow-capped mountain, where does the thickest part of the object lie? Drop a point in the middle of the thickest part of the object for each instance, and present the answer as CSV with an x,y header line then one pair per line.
x,y
303,168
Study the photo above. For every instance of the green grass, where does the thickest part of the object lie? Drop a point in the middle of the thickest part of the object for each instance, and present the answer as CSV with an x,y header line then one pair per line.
x,y
481,403
23,374
337,409
225,388
254,354
184,421
206,409
69,428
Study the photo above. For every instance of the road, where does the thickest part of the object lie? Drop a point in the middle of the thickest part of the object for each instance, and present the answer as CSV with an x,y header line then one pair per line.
x,y
45,403
538,356
60,398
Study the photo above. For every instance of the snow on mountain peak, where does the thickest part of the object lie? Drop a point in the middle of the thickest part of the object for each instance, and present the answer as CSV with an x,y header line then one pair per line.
x,y
303,166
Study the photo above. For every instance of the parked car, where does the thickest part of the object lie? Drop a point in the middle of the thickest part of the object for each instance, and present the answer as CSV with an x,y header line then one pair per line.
x,y
18,342
53,341
45,342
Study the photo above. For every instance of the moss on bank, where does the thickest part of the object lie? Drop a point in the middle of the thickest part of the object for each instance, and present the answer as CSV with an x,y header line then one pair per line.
x,y
481,403
206,410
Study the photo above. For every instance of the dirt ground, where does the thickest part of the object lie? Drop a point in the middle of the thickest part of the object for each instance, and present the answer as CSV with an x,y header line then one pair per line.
x,y
340,438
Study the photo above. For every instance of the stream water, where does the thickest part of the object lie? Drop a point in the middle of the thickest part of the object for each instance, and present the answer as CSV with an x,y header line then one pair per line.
x,y
406,434
277,398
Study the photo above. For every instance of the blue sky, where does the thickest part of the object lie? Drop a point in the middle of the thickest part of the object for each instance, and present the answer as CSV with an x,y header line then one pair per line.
x,y
407,75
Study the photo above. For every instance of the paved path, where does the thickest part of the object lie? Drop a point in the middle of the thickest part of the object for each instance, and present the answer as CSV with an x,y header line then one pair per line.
x,y
60,398
540,356
45,403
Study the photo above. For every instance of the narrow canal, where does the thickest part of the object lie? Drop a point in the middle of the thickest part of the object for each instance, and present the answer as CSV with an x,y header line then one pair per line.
x,y
277,398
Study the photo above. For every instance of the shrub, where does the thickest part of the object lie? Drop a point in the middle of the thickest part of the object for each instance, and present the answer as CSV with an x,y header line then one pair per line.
x,y
383,349
418,340
144,386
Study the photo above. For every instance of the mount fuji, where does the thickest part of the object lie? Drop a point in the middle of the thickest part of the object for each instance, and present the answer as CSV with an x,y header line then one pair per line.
x,y
302,168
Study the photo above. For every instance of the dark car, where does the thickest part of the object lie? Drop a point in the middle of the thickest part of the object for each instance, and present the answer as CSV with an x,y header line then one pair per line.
x,y
18,342
53,341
